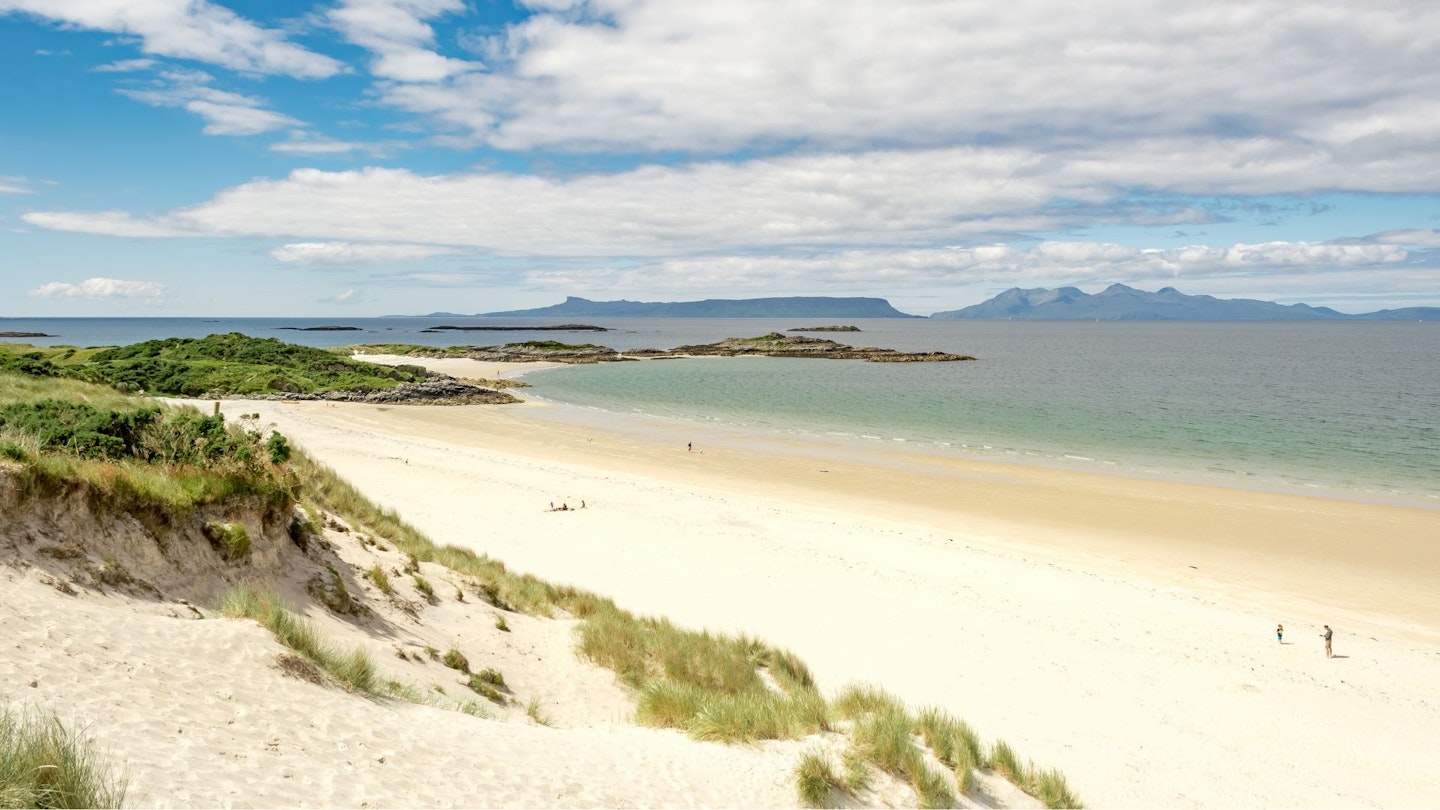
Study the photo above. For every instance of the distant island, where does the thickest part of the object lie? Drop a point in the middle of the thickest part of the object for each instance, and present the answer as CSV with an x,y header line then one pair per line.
x,y
792,307
773,344
1121,303
824,329
564,327
320,328
24,334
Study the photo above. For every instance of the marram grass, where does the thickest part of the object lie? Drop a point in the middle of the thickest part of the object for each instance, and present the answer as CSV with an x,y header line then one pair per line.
x,y
815,780
353,669
43,763
714,687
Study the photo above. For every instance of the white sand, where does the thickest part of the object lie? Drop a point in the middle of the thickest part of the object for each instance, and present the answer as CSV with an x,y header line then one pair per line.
x,y
1057,611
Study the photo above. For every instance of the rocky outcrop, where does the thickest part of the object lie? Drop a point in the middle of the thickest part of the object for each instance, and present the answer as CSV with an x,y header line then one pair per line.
x,y
824,329
437,391
778,345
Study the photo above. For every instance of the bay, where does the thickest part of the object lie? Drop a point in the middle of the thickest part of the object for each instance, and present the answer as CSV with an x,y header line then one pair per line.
x,y
1339,408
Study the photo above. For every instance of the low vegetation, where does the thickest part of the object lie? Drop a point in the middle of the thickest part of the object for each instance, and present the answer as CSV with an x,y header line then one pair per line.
x,y
135,455
712,686
218,365
44,763
354,669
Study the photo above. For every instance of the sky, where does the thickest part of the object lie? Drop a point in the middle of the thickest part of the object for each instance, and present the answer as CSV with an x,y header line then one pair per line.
x,y
372,157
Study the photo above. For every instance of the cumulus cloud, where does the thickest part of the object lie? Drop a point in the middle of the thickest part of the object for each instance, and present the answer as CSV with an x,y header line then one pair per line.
x,y
890,198
396,33
1044,264
188,29
641,75
352,253
225,113
100,288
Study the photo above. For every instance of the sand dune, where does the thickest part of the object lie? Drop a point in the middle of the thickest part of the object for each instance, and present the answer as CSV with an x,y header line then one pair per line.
x,y
1120,630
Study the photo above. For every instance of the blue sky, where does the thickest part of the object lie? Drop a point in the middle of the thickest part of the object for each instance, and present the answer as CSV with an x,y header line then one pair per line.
x,y
368,157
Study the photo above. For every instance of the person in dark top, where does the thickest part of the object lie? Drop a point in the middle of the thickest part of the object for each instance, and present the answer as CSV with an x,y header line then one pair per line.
x,y
1328,634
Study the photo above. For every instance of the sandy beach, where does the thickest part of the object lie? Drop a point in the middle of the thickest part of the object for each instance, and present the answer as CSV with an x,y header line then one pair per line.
x,y
1122,630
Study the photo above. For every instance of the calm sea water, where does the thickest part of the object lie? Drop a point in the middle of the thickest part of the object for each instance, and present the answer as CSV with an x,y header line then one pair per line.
x,y
1343,407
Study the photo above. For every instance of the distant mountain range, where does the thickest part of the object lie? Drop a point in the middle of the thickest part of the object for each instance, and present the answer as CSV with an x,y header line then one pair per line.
x,y
1115,303
793,307
1121,303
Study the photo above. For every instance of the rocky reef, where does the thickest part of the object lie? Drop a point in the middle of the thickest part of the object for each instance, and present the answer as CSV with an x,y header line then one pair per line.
x,y
774,344
439,390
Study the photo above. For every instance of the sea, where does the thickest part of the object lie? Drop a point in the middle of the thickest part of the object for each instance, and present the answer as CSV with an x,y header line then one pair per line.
x,y
1339,409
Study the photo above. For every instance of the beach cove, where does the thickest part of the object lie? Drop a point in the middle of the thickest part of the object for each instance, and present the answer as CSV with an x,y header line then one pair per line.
x,y
1119,629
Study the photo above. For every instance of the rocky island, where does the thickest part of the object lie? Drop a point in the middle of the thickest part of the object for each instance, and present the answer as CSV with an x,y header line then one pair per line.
x,y
564,327
24,334
774,344
824,329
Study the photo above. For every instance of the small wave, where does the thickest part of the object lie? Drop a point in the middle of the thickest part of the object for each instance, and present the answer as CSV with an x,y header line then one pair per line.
x,y
1078,458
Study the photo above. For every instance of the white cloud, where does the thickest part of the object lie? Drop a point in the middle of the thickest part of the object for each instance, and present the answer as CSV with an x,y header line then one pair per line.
x,y
888,198
642,75
1045,264
225,113
106,223
396,33
100,288
352,253
348,297
14,185
1419,237
188,29
125,66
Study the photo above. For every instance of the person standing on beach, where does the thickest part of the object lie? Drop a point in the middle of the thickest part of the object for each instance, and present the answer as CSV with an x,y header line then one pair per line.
x,y
1328,634
689,446
1280,633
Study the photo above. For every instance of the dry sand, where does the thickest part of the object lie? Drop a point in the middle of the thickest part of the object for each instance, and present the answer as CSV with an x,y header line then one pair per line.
x,y
1119,629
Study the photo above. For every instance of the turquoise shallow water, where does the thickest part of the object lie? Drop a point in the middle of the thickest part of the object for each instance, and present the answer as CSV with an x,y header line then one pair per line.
x,y
1343,407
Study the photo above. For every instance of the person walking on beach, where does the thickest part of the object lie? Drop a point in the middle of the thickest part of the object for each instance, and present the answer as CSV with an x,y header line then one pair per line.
x,y
689,447
1280,633
1328,634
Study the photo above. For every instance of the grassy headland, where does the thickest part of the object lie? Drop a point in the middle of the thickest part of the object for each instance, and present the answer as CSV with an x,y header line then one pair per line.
x,y
217,365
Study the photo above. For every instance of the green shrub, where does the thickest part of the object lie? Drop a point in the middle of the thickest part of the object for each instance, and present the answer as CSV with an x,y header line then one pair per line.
x,y
423,586
455,659
230,539
45,764
491,676
485,689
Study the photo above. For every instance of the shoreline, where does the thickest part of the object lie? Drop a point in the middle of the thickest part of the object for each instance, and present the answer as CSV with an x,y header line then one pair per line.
x,y
1201,473
1038,605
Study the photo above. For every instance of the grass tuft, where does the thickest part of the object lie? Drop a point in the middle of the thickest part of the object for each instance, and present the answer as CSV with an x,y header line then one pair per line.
x,y
355,670
815,780
45,764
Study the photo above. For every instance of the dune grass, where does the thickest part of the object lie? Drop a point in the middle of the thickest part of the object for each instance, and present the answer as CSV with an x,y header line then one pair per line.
x,y
45,764
354,670
713,686
816,781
